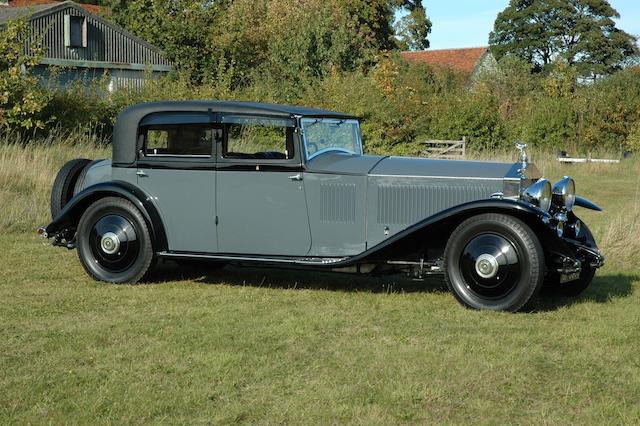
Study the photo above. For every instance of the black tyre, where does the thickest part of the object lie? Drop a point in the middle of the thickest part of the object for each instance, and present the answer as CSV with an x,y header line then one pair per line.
x,y
572,288
494,261
113,241
64,184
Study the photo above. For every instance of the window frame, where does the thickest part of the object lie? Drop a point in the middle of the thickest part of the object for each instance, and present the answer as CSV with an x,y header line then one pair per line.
x,y
177,161
68,33
303,138
215,120
294,159
204,126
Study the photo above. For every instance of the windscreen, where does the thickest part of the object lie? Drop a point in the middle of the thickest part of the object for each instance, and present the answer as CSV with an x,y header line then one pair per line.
x,y
327,134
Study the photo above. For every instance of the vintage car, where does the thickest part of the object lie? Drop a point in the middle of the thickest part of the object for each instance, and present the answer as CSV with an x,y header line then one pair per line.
x,y
284,186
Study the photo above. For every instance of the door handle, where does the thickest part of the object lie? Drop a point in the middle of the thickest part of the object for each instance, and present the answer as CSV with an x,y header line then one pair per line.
x,y
297,177
141,173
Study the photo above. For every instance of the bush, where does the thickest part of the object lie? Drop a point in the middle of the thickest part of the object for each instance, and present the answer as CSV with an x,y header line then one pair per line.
x,y
21,98
402,105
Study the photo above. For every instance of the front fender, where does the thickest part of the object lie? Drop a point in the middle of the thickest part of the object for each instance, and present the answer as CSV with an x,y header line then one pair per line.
x,y
73,210
434,231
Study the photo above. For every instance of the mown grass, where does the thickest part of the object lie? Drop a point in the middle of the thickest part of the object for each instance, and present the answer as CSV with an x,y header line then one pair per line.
x,y
265,346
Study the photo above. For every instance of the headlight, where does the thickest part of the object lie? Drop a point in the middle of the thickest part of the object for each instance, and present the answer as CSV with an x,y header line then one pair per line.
x,y
564,193
539,194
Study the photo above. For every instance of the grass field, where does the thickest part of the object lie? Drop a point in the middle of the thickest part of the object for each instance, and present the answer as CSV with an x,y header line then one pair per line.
x,y
262,346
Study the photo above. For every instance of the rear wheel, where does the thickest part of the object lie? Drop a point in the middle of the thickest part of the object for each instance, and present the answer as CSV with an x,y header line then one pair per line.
x,y
64,184
494,261
113,241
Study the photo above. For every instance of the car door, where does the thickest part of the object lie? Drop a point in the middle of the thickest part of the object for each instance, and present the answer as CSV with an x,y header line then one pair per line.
x,y
176,167
260,198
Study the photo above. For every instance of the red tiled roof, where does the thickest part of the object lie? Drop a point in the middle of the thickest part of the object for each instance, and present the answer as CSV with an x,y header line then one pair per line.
x,y
463,60
92,8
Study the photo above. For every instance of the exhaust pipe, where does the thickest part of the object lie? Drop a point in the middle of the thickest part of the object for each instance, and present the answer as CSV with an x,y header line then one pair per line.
x,y
42,232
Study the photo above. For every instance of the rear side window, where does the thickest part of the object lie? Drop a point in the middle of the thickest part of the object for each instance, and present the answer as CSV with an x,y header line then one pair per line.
x,y
179,140
258,138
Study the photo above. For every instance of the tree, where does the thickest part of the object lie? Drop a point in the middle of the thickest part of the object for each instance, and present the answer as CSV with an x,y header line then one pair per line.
x,y
272,38
180,27
21,97
413,28
580,32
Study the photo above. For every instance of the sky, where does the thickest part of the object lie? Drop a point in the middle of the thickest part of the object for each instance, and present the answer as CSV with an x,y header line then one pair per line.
x,y
467,23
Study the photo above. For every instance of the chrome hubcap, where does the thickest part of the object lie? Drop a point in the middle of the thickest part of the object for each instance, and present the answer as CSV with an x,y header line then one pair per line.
x,y
487,266
114,243
110,243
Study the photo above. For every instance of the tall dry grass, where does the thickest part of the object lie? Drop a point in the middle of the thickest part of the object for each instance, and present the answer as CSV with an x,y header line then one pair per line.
x,y
620,236
27,171
615,187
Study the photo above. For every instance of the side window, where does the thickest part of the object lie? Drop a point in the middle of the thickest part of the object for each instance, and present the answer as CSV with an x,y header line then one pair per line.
x,y
179,139
256,138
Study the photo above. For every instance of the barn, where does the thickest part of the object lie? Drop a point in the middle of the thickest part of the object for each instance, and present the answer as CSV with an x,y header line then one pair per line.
x,y
471,62
80,45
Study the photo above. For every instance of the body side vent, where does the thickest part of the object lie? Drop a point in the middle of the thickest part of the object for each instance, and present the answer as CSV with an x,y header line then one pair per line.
x,y
407,204
338,203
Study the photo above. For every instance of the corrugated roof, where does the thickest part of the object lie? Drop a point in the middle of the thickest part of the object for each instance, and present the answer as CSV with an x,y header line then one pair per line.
x,y
8,13
27,7
35,11
93,8
463,60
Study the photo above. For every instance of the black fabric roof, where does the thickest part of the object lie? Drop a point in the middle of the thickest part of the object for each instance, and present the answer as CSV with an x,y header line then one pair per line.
x,y
124,133
237,107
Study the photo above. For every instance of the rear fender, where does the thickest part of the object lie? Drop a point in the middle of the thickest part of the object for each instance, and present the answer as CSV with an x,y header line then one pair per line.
x,y
73,210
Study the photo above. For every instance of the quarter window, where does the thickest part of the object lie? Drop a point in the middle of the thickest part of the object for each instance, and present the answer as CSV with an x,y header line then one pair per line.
x,y
179,140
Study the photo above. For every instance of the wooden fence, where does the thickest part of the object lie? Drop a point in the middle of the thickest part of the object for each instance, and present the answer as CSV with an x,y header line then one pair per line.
x,y
445,149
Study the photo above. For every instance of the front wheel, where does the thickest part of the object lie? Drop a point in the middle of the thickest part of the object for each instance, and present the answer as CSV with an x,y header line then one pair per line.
x,y
113,241
494,261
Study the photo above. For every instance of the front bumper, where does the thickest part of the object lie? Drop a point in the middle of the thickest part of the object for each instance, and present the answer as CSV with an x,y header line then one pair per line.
x,y
584,256
575,256
593,255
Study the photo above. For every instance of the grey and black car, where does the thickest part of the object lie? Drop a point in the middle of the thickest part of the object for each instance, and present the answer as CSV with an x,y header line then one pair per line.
x,y
285,186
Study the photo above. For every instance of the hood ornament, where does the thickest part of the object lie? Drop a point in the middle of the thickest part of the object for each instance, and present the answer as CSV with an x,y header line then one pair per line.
x,y
524,159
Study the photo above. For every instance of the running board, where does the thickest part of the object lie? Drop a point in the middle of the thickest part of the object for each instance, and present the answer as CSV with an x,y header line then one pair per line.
x,y
309,261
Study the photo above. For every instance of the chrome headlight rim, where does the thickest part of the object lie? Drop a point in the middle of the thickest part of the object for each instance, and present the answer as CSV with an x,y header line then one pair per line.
x,y
539,194
564,193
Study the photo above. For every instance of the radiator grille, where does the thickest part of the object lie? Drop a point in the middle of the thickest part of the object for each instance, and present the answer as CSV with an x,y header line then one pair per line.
x,y
338,203
406,204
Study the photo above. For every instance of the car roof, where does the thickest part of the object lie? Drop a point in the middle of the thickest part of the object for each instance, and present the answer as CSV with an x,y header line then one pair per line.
x,y
126,127
237,107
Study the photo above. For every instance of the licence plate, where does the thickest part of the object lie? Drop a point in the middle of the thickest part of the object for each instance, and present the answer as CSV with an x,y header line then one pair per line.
x,y
565,278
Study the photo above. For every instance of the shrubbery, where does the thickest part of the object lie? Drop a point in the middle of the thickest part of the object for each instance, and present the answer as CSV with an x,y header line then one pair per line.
x,y
21,99
401,104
